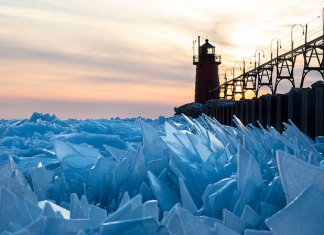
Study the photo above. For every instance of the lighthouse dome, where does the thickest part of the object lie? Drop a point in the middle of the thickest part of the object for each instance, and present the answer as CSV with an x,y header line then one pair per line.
x,y
207,49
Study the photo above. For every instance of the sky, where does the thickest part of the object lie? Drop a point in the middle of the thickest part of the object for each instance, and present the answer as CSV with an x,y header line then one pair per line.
x,y
103,58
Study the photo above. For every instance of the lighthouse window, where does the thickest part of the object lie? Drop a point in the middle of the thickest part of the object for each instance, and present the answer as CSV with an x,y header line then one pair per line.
x,y
210,51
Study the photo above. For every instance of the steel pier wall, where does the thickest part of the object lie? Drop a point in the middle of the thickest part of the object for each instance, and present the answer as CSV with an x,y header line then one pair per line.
x,y
305,107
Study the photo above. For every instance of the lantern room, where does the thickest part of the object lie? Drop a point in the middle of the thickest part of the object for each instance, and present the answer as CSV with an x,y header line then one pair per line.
x,y
207,78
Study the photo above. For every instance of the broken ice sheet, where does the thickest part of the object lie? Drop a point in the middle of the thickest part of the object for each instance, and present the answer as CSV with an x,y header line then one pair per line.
x,y
249,179
249,216
296,175
14,180
304,215
207,167
125,210
218,196
137,173
80,209
142,226
76,156
95,140
41,180
186,199
56,208
257,232
166,197
152,142
12,214
181,222
233,222
101,180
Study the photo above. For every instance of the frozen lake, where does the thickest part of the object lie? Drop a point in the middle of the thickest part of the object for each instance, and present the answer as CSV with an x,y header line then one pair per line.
x,y
164,176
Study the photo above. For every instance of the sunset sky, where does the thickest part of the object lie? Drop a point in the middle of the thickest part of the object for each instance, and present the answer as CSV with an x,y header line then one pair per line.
x,y
103,58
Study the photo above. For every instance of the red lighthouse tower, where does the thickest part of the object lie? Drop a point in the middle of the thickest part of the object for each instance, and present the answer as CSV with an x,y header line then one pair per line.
x,y
206,72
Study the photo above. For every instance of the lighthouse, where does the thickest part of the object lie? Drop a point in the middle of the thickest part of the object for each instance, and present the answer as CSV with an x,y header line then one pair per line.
x,y
207,78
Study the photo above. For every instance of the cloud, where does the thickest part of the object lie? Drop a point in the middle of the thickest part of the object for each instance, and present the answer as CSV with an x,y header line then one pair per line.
x,y
79,50
126,67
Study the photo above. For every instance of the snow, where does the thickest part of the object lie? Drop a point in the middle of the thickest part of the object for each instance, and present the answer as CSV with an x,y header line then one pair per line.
x,y
56,208
165,176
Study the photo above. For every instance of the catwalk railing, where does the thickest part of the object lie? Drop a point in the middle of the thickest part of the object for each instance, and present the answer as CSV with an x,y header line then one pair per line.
x,y
271,67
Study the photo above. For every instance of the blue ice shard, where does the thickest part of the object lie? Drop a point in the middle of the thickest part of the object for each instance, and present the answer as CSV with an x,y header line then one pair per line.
x,y
55,208
189,152
124,199
218,196
212,167
296,175
41,179
267,209
124,212
117,154
275,194
84,205
81,232
152,142
175,144
76,156
181,222
299,137
32,209
48,211
56,226
166,197
249,179
158,165
75,226
53,226
189,172
304,215
145,191
37,226
95,140
186,200
249,216
142,226
80,209
222,134
200,146
170,131
101,180
14,180
248,171
257,232
319,144
149,209
75,207
121,174
233,222
137,173
12,216
97,214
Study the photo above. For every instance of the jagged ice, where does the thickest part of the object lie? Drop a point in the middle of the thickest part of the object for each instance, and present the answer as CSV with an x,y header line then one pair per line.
x,y
165,176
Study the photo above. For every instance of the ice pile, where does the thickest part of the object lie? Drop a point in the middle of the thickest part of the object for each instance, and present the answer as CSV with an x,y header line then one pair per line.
x,y
175,176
